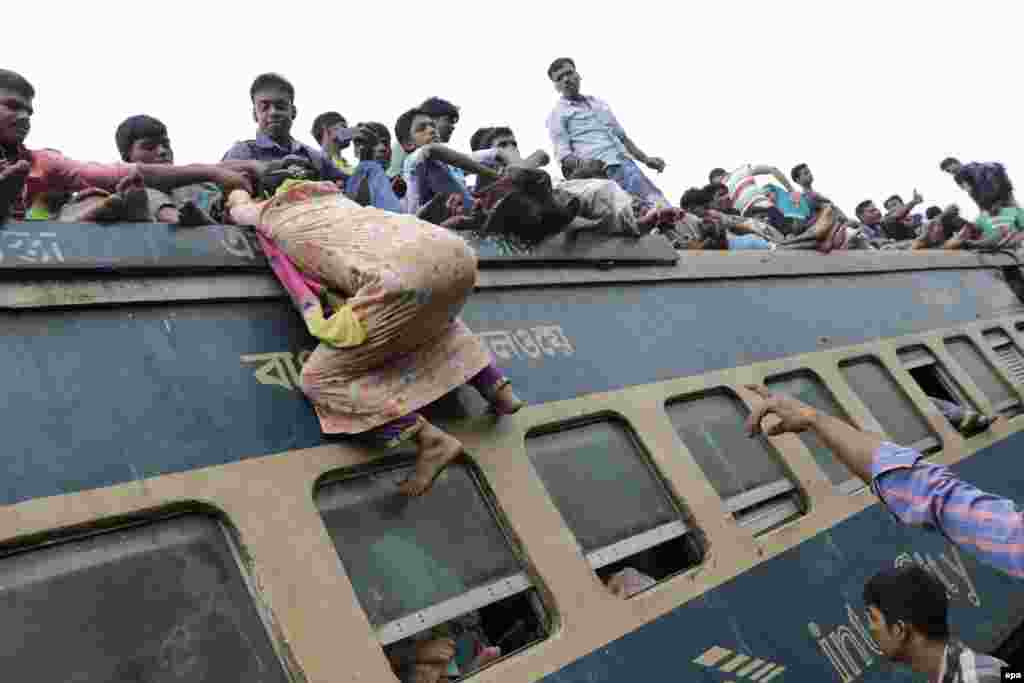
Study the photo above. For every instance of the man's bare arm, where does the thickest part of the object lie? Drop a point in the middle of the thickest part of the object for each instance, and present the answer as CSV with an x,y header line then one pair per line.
x,y
853,447
167,177
449,156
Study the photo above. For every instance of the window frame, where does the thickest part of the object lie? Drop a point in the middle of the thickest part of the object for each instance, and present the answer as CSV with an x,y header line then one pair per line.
x,y
1011,407
853,484
638,543
478,597
766,507
928,445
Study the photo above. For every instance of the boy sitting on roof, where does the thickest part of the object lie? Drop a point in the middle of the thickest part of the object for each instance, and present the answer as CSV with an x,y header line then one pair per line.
x,y
28,177
143,140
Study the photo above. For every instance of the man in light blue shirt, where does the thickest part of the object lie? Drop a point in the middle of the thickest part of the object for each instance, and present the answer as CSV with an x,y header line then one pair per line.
x,y
584,129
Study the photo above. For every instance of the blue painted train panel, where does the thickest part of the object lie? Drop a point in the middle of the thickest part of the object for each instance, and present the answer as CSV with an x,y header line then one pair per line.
x,y
803,610
100,396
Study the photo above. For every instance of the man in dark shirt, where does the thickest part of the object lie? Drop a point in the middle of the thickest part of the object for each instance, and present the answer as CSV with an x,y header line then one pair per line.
x,y
273,109
899,223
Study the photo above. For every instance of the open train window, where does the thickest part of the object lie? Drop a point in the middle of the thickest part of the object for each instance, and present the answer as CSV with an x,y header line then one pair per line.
x,y
149,601
436,566
950,399
893,409
612,498
1003,399
808,387
749,476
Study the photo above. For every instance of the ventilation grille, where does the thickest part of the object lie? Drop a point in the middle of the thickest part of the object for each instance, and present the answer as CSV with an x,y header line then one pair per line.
x,y
1012,360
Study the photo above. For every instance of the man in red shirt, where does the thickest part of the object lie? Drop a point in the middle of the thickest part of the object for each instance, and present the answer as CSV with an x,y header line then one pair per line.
x,y
27,177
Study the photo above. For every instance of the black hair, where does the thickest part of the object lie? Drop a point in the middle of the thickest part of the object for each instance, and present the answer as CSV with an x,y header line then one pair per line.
x,y
271,80
894,197
932,212
436,107
796,171
695,198
946,162
478,140
135,128
488,140
16,83
403,126
558,63
379,129
325,120
714,172
714,188
913,595
863,205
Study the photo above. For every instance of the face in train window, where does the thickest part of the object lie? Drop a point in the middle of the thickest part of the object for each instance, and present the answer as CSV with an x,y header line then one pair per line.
x,y
432,569
746,472
612,499
888,403
808,387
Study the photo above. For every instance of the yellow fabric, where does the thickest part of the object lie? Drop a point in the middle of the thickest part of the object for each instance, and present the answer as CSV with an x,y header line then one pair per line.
x,y
342,330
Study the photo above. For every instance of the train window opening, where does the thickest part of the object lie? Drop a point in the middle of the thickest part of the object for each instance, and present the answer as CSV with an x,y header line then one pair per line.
x,y
999,393
145,601
943,391
806,386
889,404
612,497
746,472
437,566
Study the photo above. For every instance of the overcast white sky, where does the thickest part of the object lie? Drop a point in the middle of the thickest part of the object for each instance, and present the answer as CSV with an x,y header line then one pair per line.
x,y
871,94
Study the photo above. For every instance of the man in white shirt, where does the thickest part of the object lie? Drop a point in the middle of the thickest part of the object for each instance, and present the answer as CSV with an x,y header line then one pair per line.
x,y
583,129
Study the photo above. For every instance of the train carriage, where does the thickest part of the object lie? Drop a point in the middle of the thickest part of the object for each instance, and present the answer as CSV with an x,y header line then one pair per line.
x,y
172,511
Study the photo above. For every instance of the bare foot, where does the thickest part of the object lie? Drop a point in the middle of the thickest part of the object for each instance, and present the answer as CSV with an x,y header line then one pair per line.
x,y
505,401
437,450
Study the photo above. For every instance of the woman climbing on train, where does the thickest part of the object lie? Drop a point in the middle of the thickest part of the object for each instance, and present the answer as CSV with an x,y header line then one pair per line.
x,y
382,292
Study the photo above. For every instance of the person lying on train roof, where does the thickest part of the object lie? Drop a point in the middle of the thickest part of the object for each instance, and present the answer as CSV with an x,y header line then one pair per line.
x,y
583,129
916,492
521,200
274,111
605,206
774,203
908,617
703,228
29,177
371,286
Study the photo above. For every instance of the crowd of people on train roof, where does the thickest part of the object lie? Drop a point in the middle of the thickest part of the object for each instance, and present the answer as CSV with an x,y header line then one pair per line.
x,y
753,206
403,203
